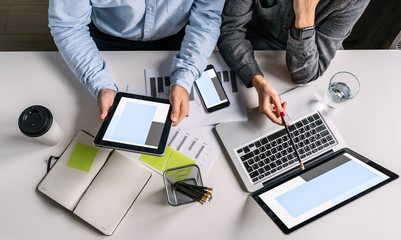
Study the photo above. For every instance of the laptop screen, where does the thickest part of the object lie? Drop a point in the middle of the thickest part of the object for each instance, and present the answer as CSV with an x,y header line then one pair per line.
x,y
334,182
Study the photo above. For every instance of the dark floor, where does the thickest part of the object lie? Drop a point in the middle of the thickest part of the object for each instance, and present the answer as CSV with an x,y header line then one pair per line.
x,y
23,26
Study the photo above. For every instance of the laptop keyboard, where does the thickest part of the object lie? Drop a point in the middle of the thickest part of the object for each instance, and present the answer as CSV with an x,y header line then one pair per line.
x,y
273,153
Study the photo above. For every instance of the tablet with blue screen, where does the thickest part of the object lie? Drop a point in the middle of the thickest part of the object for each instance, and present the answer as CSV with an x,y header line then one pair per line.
x,y
136,123
330,184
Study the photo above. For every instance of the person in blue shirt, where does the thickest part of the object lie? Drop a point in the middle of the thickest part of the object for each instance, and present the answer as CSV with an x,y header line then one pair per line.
x,y
147,24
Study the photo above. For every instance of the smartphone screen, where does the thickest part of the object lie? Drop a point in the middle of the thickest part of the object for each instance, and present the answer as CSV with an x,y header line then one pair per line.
x,y
211,90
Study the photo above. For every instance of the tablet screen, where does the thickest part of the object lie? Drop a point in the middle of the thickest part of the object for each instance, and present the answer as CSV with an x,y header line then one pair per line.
x,y
136,123
324,187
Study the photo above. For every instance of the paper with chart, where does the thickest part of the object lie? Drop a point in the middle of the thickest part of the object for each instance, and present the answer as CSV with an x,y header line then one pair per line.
x,y
157,82
197,143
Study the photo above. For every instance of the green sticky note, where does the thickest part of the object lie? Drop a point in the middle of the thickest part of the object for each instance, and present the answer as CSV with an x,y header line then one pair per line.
x,y
177,160
155,161
82,157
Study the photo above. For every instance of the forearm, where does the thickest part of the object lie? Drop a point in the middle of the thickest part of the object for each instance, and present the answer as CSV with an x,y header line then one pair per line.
x,y
201,34
85,62
235,49
308,59
304,13
239,56
302,59
71,35
258,81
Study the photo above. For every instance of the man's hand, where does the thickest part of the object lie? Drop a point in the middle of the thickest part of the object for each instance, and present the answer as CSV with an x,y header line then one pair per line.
x,y
305,13
179,98
105,101
269,101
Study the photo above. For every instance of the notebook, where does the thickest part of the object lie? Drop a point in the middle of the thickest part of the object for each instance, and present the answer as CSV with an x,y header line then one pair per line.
x,y
98,185
267,164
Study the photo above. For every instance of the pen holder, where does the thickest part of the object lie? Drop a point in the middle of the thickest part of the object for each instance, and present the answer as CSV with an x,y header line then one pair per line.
x,y
189,174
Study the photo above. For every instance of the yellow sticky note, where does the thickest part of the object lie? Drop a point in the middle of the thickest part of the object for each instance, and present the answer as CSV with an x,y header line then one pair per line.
x,y
82,157
155,161
177,160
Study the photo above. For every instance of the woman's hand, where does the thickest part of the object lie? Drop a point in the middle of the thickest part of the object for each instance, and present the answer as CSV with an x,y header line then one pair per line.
x,y
269,101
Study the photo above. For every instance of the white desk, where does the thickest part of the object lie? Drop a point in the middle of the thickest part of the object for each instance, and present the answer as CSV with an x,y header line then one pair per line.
x,y
372,119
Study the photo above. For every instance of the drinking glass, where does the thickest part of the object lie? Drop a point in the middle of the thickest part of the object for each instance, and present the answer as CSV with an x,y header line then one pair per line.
x,y
343,87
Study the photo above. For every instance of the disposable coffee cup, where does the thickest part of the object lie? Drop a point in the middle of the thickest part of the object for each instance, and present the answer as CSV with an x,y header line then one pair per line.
x,y
37,122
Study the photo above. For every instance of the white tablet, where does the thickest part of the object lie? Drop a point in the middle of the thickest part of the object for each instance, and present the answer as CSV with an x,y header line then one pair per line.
x,y
136,123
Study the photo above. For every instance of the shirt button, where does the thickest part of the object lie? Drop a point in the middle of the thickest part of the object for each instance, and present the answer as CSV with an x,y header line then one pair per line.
x,y
150,9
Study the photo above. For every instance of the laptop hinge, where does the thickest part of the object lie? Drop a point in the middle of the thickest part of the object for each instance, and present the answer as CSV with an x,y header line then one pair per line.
x,y
296,170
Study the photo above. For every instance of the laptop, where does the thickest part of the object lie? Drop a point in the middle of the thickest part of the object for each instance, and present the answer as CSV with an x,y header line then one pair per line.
x,y
267,164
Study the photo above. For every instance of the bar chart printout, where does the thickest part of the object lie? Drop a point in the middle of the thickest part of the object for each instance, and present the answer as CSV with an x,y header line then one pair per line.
x,y
157,83
204,151
193,147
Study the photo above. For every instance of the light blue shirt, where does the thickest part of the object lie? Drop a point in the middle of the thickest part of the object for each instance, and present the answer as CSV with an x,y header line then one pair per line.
x,y
143,20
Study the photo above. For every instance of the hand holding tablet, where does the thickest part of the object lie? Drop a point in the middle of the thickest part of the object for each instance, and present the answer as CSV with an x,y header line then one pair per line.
x,y
136,123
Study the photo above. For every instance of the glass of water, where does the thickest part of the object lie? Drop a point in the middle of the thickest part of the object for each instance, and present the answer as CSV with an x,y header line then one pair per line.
x,y
343,86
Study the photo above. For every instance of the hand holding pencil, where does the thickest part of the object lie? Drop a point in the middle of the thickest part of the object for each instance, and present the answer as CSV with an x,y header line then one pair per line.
x,y
269,101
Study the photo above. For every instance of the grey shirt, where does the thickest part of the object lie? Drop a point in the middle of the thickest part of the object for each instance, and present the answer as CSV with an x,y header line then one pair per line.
x,y
248,26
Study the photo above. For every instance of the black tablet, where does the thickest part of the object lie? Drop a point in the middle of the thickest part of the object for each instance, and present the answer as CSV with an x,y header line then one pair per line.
x,y
321,189
136,123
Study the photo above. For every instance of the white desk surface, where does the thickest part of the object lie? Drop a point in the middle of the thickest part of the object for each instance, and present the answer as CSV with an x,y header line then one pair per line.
x,y
370,124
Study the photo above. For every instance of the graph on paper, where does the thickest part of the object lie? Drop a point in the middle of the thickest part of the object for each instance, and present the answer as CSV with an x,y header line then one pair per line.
x,y
193,147
198,144
157,84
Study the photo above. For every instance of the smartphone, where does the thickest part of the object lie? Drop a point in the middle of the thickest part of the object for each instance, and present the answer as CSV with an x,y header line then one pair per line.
x,y
211,91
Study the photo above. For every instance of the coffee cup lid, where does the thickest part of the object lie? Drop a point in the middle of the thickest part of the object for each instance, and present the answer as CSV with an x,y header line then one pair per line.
x,y
35,121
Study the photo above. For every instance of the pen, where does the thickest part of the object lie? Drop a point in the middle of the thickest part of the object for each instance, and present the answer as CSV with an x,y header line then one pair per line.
x,y
291,140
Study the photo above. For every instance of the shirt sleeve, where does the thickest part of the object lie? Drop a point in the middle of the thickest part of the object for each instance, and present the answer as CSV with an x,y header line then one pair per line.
x,y
308,59
201,34
68,20
236,50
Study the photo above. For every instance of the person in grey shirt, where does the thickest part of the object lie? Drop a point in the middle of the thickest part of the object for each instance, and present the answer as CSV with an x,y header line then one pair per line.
x,y
311,31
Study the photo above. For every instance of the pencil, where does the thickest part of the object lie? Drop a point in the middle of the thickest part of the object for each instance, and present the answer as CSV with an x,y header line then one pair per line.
x,y
196,198
292,141
194,186
200,194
